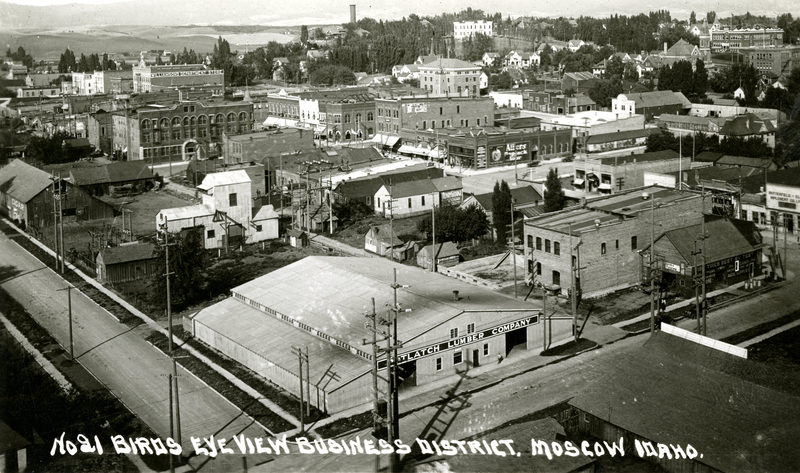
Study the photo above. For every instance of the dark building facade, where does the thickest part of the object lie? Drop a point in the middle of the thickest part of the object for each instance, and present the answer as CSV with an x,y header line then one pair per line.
x,y
432,113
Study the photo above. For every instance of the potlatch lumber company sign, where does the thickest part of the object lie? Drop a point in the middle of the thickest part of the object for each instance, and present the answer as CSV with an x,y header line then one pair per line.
x,y
435,348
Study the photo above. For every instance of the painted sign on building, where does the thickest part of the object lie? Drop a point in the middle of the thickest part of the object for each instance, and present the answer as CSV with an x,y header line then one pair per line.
x,y
655,179
416,107
782,197
509,152
435,348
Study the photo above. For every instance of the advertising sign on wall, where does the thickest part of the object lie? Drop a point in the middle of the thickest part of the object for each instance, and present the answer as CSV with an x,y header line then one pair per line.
x,y
782,197
508,152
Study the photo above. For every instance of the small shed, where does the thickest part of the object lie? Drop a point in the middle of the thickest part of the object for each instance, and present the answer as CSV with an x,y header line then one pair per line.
x,y
380,240
446,255
128,262
297,238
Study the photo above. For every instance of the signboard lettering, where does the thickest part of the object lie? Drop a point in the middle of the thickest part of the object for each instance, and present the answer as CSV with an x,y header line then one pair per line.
x,y
456,342
509,152
416,107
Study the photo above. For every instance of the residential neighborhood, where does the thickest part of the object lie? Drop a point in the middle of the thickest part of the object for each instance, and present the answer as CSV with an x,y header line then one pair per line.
x,y
395,240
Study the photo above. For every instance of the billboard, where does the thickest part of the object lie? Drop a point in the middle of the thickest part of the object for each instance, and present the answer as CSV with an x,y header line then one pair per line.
x,y
654,179
508,153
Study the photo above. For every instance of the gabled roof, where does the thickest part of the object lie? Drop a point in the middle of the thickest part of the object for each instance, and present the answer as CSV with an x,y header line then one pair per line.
x,y
384,234
785,177
368,186
121,171
224,179
523,196
580,75
425,186
708,156
748,124
127,253
265,212
22,181
658,98
443,250
669,383
728,160
680,49
621,135
724,239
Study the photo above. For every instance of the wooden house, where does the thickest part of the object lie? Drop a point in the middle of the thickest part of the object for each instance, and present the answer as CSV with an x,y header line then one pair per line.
x,y
128,262
446,255
297,238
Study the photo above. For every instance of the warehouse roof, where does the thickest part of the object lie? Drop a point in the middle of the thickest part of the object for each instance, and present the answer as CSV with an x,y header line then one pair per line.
x,y
330,295
675,391
621,135
639,158
725,239
122,171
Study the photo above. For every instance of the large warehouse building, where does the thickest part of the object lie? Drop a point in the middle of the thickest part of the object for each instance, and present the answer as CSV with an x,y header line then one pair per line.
x,y
321,302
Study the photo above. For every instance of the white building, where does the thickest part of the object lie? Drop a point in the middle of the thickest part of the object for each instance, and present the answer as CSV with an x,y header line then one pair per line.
x,y
83,83
466,29
226,213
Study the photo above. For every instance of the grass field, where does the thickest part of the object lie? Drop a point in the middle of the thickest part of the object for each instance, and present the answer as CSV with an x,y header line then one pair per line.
x,y
354,234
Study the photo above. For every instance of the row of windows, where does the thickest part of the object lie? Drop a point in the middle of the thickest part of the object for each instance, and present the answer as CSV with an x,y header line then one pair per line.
x,y
458,357
388,113
556,245
200,120
454,331
466,88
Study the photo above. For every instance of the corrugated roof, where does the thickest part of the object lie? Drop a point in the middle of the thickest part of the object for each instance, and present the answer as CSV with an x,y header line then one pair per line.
x,y
658,98
127,253
23,182
678,392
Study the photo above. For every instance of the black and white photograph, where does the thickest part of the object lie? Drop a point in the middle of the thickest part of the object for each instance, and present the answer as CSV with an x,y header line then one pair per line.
x,y
243,236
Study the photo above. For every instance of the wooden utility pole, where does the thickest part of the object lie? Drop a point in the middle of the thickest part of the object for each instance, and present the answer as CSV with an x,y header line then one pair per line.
x,y
378,420
301,357
514,248
392,347
61,220
167,274
55,217
433,233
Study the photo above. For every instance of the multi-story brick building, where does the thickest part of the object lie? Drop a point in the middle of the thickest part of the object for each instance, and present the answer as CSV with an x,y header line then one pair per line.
x,y
720,40
466,29
776,60
260,145
176,76
603,238
175,132
100,127
423,113
450,76
348,119
618,173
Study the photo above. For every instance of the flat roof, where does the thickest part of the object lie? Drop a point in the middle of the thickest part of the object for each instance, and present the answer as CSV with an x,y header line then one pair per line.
x,y
607,209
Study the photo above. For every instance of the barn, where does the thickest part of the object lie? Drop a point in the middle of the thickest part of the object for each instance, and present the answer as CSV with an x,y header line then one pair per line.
x,y
319,303
26,196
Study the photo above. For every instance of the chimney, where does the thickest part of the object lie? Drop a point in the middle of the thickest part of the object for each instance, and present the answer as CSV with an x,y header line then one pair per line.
x,y
665,46
352,14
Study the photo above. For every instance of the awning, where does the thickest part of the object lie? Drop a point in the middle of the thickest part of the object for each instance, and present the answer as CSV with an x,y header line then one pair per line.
x,y
604,186
414,150
577,182
319,129
271,121
386,140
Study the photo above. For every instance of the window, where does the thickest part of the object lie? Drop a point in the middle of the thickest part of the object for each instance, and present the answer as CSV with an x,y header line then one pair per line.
x,y
471,327
210,234
424,125
145,124
556,278
538,269
441,111
231,117
547,246
458,108
243,116
736,265
186,121
346,118
176,121
458,357
232,199
202,120
409,202
602,248
259,228
539,243
530,241
423,201
633,242
438,364
485,349
454,332
556,248
370,116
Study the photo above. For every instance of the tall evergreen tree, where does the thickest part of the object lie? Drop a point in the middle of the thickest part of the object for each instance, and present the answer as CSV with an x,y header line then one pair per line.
x,y
501,209
554,199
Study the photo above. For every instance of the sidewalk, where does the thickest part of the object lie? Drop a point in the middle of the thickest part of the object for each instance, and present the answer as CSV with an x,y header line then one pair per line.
x,y
486,376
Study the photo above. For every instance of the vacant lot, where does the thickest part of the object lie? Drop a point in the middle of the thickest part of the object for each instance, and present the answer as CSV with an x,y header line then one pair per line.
x,y
141,219
404,228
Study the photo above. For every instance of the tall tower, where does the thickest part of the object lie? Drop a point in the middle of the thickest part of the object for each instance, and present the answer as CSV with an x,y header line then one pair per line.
x,y
352,14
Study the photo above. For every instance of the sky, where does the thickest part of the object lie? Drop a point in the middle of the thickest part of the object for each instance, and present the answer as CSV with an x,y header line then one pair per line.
x,y
295,12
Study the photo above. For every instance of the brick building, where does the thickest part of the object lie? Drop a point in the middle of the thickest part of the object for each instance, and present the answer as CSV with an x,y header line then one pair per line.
x,y
619,173
176,76
424,113
175,132
450,76
466,29
100,127
260,145
650,104
776,60
607,235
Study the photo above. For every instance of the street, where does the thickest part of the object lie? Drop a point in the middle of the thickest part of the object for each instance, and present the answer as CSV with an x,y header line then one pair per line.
x,y
133,370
